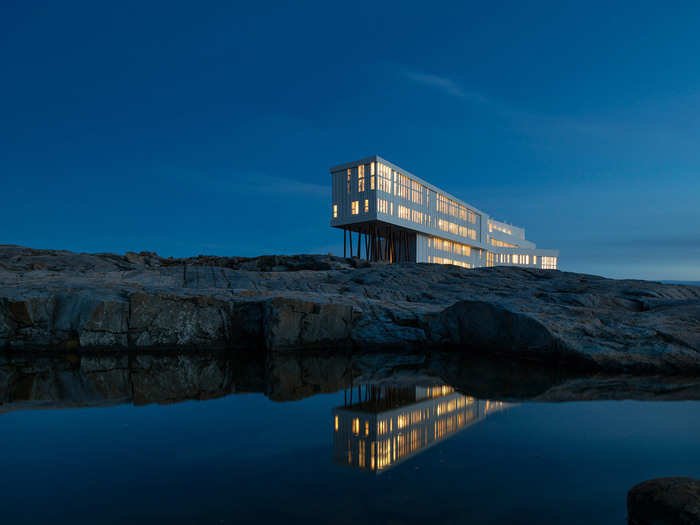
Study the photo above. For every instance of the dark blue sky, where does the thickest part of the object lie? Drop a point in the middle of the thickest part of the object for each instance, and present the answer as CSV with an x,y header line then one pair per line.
x,y
188,128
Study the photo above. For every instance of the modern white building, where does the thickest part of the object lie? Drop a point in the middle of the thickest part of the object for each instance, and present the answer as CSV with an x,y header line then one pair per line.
x,y
389,214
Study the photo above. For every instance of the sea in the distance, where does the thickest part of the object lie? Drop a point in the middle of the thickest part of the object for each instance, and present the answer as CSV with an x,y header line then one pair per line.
x,y
383,452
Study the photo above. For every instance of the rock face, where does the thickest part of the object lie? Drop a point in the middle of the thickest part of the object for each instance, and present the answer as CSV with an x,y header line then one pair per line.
x,y
665,501
51,299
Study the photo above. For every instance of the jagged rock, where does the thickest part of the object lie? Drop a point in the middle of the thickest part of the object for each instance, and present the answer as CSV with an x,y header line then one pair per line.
x,y
61,299
665,501
291,323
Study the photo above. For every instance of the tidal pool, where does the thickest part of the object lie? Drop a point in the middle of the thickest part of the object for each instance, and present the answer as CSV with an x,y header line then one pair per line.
x,y
75,448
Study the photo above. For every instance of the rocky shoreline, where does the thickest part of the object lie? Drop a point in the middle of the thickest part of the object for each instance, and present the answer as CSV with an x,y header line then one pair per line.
x,y
62,300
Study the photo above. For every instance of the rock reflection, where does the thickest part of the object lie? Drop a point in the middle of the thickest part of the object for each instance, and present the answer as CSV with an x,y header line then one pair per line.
x,y
103,379
386,424
63,380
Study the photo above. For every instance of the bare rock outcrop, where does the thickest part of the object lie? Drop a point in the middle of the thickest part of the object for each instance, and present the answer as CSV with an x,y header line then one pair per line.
x,y
59,299
664,501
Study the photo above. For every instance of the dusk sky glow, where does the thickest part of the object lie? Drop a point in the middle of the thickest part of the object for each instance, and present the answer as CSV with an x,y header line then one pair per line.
x,y
188,128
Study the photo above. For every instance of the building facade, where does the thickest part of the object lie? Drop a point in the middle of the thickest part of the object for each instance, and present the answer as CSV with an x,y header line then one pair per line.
x,y
389,214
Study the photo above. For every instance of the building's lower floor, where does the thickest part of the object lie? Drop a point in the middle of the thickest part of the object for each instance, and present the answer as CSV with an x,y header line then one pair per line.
x,y
378,241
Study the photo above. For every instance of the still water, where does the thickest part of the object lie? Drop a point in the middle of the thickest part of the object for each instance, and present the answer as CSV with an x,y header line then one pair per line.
x,y
77,449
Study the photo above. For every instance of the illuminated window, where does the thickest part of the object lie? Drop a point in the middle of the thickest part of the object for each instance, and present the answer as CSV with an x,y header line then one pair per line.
x,y
500,228
366,206
384,178
416,192
335,211
366,428
502,244
371,182
534,260
383,206
355,207
349,177
360,179
404,213
391,208
371,168
402,186
356,426
549,263
336,423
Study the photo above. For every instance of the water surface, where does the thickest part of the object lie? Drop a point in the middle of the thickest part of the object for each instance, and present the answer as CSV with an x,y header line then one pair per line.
x,y
390,451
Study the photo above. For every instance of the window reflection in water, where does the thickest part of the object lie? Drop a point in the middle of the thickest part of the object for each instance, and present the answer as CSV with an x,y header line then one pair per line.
x,y
382,425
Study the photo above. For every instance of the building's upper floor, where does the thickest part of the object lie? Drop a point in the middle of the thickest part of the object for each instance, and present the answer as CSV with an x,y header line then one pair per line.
x,y
374,189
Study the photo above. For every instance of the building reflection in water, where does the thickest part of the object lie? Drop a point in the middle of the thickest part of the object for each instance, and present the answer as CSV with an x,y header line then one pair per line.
x,y
381,425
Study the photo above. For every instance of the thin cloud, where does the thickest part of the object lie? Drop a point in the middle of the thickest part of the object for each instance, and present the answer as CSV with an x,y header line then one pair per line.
x,y
269,184
444,84
258,183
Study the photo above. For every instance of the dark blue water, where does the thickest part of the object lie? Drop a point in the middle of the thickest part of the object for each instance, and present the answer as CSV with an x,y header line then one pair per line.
x,y
246,459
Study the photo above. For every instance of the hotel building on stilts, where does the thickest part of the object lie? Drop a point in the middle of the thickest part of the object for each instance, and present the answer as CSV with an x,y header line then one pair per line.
x,y
388,214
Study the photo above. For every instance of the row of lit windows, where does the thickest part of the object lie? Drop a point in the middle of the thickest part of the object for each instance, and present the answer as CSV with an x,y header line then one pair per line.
x,y
490,259
384,174
412,190
446,260
402,186
502,244
410,214
549,263
361,178
449,246
450,207
354,208
456,229
515,258
500,228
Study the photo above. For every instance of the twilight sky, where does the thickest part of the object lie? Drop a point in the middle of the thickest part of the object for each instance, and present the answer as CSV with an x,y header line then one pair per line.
x,y
205,127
